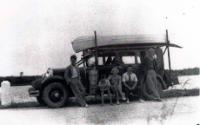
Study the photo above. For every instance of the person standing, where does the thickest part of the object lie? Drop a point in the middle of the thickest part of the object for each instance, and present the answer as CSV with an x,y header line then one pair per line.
x,y
117,62
73,78
150,88
115,81
129,80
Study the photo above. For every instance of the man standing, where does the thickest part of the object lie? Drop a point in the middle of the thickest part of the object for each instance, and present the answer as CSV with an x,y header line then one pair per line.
x,y
73,78
129,80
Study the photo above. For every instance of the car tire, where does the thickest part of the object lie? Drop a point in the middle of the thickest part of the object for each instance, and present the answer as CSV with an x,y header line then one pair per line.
x,y
55,95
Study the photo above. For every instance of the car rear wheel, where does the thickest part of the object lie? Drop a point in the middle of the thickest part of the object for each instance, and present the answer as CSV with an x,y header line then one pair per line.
x,y
55,95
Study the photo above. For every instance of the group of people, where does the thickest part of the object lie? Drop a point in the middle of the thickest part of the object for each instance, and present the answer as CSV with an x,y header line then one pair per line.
x,y
118,85
150,87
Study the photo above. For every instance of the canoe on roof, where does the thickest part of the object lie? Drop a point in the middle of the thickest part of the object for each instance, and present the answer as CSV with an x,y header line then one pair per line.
x,y
87,42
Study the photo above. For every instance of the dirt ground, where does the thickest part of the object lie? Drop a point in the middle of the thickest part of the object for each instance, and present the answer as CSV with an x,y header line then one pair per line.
x,y
171,111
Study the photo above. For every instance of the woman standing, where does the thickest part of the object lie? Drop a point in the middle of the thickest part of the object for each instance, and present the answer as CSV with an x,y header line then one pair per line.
x,y
151,87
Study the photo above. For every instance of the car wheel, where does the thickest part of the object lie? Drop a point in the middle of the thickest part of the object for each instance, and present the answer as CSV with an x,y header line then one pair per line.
x,y
55,95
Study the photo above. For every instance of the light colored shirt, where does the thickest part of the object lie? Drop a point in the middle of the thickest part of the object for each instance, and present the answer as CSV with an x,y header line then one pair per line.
x,y
129,77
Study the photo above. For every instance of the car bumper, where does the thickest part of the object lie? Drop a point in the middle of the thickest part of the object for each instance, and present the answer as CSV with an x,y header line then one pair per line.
x,y
33,92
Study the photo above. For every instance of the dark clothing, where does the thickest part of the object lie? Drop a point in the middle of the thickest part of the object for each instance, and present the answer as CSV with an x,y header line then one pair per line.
x,y
69,71
130,84
127,91
151,86
148,64
159,65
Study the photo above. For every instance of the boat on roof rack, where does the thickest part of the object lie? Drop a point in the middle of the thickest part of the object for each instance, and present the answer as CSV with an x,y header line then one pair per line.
x,y
121,42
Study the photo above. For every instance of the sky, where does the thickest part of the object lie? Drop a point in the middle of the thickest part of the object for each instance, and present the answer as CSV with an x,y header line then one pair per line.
x,y
37,34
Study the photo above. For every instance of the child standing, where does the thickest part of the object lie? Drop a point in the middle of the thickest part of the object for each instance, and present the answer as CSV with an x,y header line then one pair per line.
x,y
104,85
115,81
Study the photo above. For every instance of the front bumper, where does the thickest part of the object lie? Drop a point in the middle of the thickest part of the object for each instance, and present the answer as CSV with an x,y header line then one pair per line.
x,y
33,92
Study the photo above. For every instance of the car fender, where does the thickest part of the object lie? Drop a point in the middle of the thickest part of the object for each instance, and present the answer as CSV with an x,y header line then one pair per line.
x,y
51,79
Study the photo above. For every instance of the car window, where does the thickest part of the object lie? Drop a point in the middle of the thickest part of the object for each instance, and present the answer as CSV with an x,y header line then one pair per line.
x,y
138,60
91,61
108,60
128,59
100,60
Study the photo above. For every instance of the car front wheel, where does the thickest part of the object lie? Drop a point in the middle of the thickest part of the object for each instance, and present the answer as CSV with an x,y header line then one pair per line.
x,y
55,95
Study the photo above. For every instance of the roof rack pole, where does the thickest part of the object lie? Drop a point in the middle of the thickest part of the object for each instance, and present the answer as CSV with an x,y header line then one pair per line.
x,y
165,50
168,50
96,48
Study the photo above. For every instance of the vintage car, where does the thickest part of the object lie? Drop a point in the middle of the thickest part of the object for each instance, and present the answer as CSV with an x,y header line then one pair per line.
x,y
103,51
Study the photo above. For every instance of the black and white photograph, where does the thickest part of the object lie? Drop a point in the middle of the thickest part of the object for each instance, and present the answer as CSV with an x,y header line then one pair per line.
x,y
99,62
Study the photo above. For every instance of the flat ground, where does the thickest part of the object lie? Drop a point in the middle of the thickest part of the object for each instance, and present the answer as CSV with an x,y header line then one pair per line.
x,y
182,110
